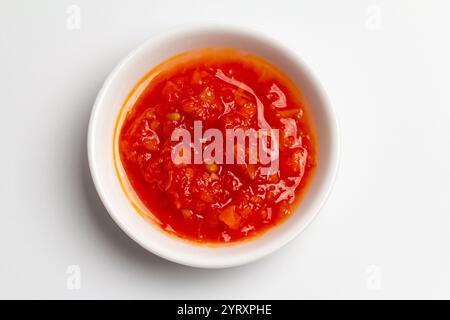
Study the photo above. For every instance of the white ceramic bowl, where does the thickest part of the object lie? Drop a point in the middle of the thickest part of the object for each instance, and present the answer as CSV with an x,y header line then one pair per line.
x,y
100,145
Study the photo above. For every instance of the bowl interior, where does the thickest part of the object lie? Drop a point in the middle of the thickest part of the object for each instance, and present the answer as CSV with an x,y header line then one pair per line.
x,y
100,147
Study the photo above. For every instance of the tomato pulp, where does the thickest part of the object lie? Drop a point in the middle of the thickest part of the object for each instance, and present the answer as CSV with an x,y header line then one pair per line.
x,y
214,201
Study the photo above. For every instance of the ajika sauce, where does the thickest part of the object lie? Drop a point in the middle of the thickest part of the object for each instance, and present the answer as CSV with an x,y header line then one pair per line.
x,y
211,200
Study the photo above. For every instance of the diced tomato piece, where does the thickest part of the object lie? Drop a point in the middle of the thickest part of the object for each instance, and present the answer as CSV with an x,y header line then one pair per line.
x,y
284,208
230,217
207,96
150,142
171,91
242,97
295,162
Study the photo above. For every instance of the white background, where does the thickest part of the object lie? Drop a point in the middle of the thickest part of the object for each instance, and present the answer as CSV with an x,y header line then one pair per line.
x,y
385,231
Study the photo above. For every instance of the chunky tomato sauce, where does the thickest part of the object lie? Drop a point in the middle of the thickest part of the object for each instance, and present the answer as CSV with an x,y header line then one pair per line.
x,y
213,202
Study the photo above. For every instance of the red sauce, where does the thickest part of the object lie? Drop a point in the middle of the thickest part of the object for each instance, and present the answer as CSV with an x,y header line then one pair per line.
x,y
224,89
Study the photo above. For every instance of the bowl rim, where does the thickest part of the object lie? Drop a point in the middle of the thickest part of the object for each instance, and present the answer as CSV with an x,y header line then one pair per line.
x,y
202,29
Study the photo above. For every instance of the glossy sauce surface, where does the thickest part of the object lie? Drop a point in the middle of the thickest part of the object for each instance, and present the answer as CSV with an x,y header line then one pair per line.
x,y
224,89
